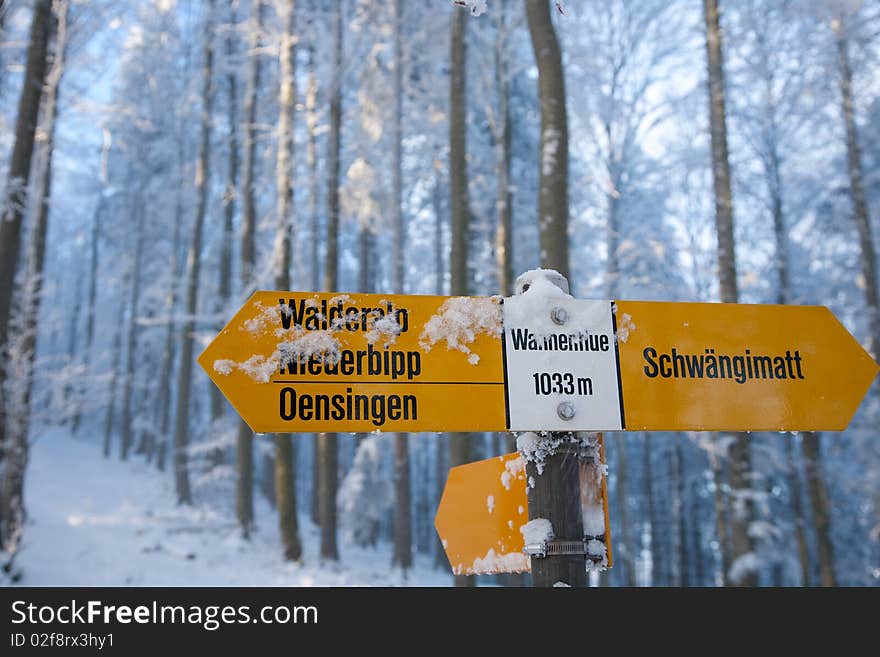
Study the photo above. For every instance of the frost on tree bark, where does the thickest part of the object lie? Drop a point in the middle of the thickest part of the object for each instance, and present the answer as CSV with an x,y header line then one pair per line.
x,y
502,134
327,449
812,451
857,189
30,298
402,525
679,478
100,208
116,357
626,551
740,469
168,349
4,8
553,183
184,372
129,376
285,481
244,447
773,173
224,285
460,212
17,182
311,106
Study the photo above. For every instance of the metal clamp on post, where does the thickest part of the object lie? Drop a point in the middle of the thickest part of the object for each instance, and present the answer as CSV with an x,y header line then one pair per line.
x,y
560,547
595,558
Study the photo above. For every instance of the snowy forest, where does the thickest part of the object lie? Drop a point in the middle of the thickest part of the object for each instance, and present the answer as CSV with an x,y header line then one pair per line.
x,y
163,159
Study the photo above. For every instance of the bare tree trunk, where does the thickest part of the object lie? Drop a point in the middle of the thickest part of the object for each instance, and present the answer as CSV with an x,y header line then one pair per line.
x,y
131,341
327,443
267,478
20,161
627,554
285,481
459,201
17,184
460,217
366,254
857,194
402,524
503,156
797,510
17,440
312,164
224,287
720,159
284,165
680,481
244,488
818,492
72,347
780,232
439,269
398,227
111,388
553,185
184,378
740,457
168,349
285,497
4,9
315,223
721,519
249,146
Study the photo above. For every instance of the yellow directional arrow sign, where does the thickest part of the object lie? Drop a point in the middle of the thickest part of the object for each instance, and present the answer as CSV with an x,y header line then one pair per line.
x,y
485,505
707,366
304,362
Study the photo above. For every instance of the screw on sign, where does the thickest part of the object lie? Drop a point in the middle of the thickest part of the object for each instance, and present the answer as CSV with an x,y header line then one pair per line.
x,y
539,362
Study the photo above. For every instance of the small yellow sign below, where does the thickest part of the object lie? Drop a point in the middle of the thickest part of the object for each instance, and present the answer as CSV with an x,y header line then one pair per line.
x,y
485,505
306,362
480,514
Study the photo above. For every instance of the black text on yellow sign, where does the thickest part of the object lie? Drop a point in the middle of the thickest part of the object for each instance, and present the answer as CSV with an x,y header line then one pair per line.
x,y
303,362
310,362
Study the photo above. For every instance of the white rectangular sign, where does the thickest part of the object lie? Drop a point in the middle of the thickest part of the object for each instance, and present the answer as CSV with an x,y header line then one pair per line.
x,y
561,364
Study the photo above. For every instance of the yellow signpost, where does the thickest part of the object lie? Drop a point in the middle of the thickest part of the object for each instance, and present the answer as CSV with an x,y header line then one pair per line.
x,y
304,362
311,362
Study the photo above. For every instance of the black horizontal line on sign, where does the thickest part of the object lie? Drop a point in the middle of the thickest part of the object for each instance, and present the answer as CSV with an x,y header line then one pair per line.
x,y
403,383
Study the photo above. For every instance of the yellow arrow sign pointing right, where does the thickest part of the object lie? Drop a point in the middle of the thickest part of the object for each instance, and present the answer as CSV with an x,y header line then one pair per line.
x,y
711,366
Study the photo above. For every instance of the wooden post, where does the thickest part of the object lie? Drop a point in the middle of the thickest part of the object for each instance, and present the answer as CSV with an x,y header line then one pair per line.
x,y
556,497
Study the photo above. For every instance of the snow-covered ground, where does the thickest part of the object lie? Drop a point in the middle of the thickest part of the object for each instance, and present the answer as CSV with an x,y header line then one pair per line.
x,y
98,522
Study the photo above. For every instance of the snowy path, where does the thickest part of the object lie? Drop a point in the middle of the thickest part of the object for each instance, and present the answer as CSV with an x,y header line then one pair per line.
x,y
107,523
